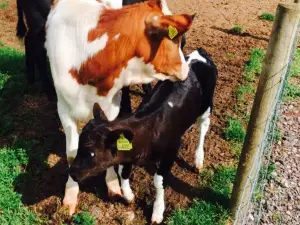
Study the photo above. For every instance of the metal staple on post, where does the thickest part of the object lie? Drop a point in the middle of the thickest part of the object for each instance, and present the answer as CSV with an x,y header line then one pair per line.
x,y
273,71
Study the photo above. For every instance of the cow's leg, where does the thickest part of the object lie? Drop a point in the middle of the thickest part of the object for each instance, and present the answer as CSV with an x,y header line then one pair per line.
x,y
124,173
203,123
72,139
42,66
112,183
29,57
125,106
160,182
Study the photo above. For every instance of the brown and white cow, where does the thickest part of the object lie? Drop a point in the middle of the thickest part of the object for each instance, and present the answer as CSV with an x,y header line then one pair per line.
x,y
94,51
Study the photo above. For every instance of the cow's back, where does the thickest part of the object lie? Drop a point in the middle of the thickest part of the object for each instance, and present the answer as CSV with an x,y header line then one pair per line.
x,y
68,47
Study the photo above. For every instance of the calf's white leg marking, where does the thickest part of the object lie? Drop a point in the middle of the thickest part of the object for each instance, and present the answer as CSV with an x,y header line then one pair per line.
x,y
72,138
159,204
203,123
112,182
125,186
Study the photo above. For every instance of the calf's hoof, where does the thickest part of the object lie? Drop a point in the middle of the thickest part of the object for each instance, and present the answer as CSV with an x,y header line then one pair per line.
x,y
129,198
199,167
71,207
156,219
114,189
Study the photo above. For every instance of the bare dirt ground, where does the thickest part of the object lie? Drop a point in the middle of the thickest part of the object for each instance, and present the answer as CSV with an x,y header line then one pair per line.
x,y
210,30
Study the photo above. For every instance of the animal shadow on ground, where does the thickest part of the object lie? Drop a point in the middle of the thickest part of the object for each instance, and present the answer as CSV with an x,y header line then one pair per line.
x,y
244,34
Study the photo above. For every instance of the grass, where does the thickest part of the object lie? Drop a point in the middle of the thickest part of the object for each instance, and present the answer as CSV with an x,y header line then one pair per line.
x,y
220,181
243,90
83,219
292,87
267,16
237,29
200,213
13,161
3,5
234,131
254,65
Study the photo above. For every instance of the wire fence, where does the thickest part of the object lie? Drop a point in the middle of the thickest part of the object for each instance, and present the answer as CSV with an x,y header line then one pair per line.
x,y
251,207
257,201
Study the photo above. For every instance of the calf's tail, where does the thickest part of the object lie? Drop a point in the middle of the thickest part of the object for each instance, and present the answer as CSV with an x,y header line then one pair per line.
x,y
21,28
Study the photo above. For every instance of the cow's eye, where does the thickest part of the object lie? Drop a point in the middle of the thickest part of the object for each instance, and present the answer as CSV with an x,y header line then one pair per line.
x,y
92,154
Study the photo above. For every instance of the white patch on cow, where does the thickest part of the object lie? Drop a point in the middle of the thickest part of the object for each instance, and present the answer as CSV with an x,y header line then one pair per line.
x,y
115,4
116,37
165,8
196,55
112,182
159,203
203,123
125,186
171,104
184,66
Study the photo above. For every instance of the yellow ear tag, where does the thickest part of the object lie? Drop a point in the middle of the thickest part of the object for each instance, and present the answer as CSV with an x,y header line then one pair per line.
x,y
172,32
123,144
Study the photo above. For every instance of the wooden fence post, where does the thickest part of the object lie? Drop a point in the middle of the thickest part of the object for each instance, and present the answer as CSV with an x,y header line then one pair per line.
x,y
274,69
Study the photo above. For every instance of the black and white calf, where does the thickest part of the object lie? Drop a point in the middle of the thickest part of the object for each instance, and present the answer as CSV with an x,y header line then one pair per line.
x,y
155,130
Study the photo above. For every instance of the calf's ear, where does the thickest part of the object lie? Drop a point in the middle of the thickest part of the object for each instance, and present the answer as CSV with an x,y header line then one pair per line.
x,y
113,136
169,25
97,112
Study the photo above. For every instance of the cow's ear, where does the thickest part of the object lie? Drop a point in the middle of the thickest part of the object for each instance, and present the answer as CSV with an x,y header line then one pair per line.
x,y
170,26
154,3
98,113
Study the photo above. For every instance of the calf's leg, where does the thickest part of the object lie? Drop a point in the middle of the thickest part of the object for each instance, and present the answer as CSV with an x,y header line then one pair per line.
x,y
42,66
124,173
29,57
72,139
203,123
112,183
160,181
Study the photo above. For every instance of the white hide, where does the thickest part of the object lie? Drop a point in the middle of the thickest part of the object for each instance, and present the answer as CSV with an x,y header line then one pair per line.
x,y
203,123
196,55
125,186
159,203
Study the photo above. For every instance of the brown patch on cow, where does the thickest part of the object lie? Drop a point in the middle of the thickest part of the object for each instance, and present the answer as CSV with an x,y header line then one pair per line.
x,y
129,38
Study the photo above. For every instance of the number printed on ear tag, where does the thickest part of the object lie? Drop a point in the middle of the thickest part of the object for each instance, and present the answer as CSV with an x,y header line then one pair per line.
x,y
172,32
123,144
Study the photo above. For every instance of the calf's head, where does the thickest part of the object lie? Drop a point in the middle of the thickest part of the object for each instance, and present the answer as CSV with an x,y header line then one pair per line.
x,y
97,148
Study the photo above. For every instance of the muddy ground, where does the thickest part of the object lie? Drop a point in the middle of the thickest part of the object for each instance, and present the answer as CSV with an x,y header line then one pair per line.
x,y
210,30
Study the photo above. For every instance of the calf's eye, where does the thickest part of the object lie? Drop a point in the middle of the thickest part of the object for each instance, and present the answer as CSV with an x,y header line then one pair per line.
x,y
92,154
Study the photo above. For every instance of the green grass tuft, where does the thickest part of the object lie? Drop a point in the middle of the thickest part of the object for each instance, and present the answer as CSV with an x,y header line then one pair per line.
x,y
234,131
291,91
237,29
220,181
83,219
254,65
12,211
3,5
200,213
267,16
242,90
